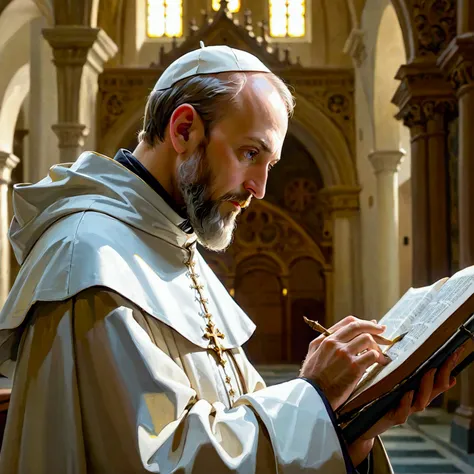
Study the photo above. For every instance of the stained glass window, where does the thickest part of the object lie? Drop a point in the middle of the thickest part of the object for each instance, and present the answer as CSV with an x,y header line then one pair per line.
x,y
164,18
232,5
287,18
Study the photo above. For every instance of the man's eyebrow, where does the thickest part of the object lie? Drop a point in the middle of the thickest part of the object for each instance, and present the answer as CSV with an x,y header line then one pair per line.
x,y
263,144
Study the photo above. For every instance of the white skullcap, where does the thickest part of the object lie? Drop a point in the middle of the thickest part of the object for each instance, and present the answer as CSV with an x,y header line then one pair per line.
x,y
209,60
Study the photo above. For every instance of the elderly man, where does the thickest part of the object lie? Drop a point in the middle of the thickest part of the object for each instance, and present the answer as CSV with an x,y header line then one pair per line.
x,y
126,347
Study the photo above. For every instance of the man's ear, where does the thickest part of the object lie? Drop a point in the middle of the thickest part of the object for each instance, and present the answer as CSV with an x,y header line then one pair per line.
x,y
186,129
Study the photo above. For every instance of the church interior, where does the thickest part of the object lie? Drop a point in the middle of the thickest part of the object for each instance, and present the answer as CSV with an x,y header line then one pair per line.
x,y
374,190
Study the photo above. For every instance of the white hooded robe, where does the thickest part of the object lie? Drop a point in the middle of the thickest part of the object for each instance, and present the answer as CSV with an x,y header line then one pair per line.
x,y
105,332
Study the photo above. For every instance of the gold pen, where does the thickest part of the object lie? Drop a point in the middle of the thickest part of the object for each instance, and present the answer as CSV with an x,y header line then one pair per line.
x,y
318,327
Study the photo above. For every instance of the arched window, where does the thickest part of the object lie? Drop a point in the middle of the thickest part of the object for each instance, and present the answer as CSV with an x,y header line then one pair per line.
x,y
164,18
232,5
287,18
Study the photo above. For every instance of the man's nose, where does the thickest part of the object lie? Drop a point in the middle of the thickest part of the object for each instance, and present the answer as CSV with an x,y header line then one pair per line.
x,y
256,182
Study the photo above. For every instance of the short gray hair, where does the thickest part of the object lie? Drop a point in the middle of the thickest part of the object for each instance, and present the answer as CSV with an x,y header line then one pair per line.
x,y
208,94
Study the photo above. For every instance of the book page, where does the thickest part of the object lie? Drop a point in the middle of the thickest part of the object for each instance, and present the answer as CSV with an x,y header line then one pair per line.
x,y
456,291
399,319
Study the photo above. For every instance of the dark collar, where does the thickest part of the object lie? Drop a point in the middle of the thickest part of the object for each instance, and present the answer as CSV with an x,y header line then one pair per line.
x,y
126,158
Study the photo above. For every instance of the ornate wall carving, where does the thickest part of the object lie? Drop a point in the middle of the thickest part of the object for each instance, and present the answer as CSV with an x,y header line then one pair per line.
x,y
434,24
422,94
267,230
123,91
427,26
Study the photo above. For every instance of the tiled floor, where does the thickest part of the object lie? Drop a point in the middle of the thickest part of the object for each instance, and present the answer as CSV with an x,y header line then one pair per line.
x,y
411,452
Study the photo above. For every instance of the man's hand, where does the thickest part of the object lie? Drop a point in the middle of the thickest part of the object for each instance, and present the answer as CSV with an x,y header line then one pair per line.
x,y
337,362
433,384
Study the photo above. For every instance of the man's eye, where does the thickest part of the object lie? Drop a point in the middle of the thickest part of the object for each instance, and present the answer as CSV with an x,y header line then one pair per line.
x,y
250,154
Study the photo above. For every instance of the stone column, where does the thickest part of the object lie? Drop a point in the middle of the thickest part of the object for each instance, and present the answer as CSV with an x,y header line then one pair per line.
x,y
8,161
426,101
43,109
75,48
458,61
329,284
343,205
386,164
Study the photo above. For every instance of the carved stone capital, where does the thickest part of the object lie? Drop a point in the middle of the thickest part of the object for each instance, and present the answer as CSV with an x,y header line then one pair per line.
x,y
417,113
76,45
355,47
73,48
386,161
71,135
457,61
423,93
8,162
341,200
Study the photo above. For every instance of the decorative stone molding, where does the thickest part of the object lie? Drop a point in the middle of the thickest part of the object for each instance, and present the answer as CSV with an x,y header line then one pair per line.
x,y
423,92
419,111
8,162
341,200
386,161
266,230
70,134
74,47
330,91
457,61
355,47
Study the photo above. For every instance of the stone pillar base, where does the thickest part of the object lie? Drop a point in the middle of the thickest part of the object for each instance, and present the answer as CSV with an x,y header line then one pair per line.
x,y
462,434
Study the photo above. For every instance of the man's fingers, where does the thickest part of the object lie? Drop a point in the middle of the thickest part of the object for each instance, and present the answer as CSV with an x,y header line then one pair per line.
x,y
355,328
382,340
362,343
402,412
443,380
343,322
368,358
425,390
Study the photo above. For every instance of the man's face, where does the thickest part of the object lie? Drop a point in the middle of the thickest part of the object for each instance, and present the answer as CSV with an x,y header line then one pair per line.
x,y
222,175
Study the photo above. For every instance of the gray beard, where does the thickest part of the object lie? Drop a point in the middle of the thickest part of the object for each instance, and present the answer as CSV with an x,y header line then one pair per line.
x,y
213,231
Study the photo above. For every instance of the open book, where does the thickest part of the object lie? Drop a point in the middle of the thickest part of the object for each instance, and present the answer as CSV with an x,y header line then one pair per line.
x,y
437,320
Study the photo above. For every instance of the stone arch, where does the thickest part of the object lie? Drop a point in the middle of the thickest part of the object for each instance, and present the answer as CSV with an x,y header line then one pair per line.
x,y
13,99
17,14
404,19
340,168
253,258
258,289
46,9
328,167
94,13
248,256
389,55
306,247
